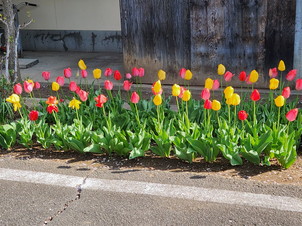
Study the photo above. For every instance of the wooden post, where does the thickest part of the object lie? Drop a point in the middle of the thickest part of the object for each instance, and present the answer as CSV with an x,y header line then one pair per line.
x,y
298,39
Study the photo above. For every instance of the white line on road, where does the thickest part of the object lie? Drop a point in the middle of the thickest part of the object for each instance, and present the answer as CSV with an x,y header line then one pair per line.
x,y
156,189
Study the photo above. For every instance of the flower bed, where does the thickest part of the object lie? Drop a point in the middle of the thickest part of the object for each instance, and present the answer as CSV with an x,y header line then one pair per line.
x,y
257,129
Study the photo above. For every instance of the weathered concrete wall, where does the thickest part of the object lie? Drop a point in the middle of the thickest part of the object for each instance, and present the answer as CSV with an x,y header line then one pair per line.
x,y
71,40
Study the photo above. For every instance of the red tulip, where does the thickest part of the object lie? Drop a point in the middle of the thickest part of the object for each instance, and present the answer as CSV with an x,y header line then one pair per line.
x,y
228,76
67,73
273,72
108,72
242,115
18,89
28,86
108,85
51,108
33,115
37,85
291,75
135,72
117,75
242,76
46,75
207,104
292,114
83,95
255,96
216,85
286,92
299,84
73,86
134,98
84,73
61,100
182,72
127,85
60,80
205,94
141,72
100,100
128,76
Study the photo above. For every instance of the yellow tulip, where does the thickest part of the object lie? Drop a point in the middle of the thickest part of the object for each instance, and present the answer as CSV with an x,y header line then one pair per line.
x,y
229,101
74,104
157,100
15,100
161,75
82,65
281,66
273,83
221,69
55,86
188,75
235,99
228,92
17,106
97,73
30,81
254,76
157,86
216,106
209,83
279,101
175,90
186,96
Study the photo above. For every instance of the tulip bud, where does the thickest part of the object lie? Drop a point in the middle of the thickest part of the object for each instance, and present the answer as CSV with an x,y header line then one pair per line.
x,y
134,98
273,84
55,86
207,104
157,100
188,75
299,84
254,76
228,92
255,96
286,92
186,95
242,115
242,76
216,106
175,90
291,75
279,101
161,75
97,73
209,83
205,94
18,89
273,72
292,114
157,86
281,66
82,65
220,69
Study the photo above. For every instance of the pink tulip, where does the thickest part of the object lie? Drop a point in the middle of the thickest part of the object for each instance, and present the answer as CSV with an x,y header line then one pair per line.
x,y
205,94
216,85
128,76
141,72
286,92
83,95
247,80
28,86
46,75
108,85
182,72
292,114
117,75
73,86
127,85
135,72
207,104
299,84
84,73
228,76
60,80
242,76
134,98
18,89
291,75
67,73
78,89
182,90
273,72
37,85
108,72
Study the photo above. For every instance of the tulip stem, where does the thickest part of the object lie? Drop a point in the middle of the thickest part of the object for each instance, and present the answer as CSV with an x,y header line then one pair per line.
x,y
229,113
278,118
158,119
288,127
235,115
218,120
254,112
105,116
137,115
177,105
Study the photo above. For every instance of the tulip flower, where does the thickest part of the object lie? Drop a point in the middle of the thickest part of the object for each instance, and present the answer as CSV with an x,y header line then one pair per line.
x,y
128,76
127,85
242,76
207,104
182,72
186,95
175,90
33,115
73,86
286,92
84,73
235,99
141,72
209,83
67,73
117,75
292,114
255,96
83,95
74,104
228,92
15,100
182,90
205,94
28,86
100,100
254,76
97,73
135,72
242,115
299,84
273,72
228,76
55,86
216,85
60,80
18,89
108,72
161,75
188,75
51,108
216,106
157,86
281,66
291,75
82,65
157,100
273,84
78,89
134,98
52,100
279,101
108,85
220,69
46,75
37,85
247,80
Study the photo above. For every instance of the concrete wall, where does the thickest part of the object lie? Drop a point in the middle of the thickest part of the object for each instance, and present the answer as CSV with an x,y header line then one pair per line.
x,y
72,25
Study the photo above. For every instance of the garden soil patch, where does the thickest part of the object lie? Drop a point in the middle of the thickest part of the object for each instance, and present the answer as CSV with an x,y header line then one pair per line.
x,y
267,174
